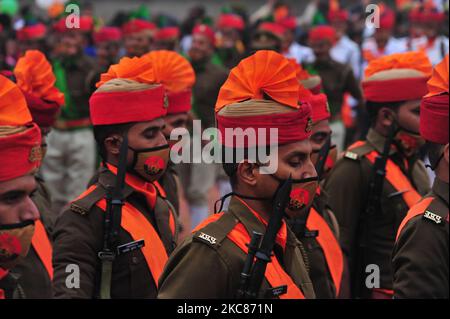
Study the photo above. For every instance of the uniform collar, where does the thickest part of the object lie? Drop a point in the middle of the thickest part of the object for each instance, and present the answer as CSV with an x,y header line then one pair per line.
x,y
253,221
441,189
377,141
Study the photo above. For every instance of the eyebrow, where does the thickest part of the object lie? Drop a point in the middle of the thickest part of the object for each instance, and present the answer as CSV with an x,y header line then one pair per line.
x,y
296,154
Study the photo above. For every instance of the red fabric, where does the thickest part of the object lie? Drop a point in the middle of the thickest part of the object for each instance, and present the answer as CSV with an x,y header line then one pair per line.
x,y
108,108
21,153
32,32
434,118
206,31
337,15
273,28
179,102
107,34
231,21
292,127
167,33
323,32
44,113
289,23
387,19
86,25
137,25
395,90
319,106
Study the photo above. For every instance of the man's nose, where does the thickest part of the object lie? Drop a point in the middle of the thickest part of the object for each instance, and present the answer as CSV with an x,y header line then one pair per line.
x,y
29,210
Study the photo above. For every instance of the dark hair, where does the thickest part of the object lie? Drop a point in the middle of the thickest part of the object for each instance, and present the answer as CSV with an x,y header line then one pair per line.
x,y
434,152
102,132
374,107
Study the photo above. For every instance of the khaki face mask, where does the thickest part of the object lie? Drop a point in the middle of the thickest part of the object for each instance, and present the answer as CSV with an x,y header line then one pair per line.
x,y
15,242
151,163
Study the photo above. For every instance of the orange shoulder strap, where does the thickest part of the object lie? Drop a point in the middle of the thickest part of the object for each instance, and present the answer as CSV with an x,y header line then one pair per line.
x,y
135,223
275,274
330,246
43,247
417,209
396,178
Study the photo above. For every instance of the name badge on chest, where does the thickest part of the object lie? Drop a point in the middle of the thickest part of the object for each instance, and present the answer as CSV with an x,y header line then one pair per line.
x,y
129,247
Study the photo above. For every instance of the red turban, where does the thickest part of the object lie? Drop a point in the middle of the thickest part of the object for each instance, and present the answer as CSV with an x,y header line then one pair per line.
x,y
32,32
387,18
435,106
137,26
177,76
289,23
323,32
397,77
205,30
106,34
275,29
167,33
231,21
338,15
86,25
21,152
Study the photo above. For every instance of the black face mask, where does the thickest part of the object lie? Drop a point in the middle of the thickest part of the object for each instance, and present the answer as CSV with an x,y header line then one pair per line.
x,y
301,197
150,163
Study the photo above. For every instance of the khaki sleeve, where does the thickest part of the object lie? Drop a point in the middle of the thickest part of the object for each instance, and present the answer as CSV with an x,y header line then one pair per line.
x,y
345,189
420,261
76,244
195,271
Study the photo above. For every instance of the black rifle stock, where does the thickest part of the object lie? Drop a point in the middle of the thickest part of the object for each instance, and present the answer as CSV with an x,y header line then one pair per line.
x,y
113,217
264,252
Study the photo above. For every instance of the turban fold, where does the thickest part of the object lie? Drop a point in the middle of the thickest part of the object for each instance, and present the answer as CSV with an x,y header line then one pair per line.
x,y
434,108
397,77
13,106
177,76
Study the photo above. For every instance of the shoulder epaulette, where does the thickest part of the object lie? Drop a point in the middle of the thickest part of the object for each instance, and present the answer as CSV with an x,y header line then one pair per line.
x,y
85,203
215,232
358,152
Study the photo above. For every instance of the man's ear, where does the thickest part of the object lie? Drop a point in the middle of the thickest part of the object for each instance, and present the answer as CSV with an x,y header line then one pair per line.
x,y
386,116
247,172
112,144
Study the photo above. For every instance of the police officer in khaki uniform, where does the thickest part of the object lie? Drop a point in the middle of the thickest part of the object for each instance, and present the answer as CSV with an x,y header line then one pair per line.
x,y
369,206
35,78
318,230
20,141
420,259
209,262
123,111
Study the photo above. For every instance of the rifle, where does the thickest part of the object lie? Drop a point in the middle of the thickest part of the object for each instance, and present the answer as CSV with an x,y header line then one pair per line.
x,y
254,275
113,217
373,207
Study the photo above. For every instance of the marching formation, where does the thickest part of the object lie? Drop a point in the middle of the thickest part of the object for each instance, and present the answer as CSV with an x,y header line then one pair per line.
x,y
332,175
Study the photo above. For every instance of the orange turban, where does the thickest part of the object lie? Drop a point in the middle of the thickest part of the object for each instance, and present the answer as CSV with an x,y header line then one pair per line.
x,y
137,69
262,92
13,107
397,77
311,82
435,106
177,76
265,72
34,75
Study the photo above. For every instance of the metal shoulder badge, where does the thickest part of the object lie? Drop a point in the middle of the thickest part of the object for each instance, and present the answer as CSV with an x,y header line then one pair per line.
x,y
351,155
432,216
207,238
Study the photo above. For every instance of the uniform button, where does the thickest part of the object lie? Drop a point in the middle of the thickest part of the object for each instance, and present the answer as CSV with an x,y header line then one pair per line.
x,y
134,260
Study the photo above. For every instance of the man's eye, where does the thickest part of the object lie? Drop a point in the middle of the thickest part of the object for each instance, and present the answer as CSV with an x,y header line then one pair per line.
x,y
12,199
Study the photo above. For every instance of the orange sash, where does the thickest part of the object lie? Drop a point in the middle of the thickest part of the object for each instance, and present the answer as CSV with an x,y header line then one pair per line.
x,y
330,246
395,177
417,209
135,223
43,247
275,274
